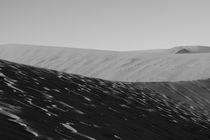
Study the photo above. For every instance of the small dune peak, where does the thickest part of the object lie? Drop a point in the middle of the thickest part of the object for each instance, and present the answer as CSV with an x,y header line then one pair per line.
x,y
189,49
179,50
182,51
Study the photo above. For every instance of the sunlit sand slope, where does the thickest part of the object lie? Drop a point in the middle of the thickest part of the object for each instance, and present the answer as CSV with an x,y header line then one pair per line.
x,y
176,64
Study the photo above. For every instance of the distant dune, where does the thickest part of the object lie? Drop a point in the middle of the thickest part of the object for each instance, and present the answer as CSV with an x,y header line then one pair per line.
x,y
176,64
190,49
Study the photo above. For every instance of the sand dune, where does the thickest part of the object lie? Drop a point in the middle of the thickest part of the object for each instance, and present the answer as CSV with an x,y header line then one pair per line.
x,y
69,106
40,104
176,64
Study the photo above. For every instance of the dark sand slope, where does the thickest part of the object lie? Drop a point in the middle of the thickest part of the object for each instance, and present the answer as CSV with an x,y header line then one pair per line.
x,y
196,93
177,64
42,104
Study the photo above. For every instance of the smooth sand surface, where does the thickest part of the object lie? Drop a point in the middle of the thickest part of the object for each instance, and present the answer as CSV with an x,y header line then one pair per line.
x,y
176,64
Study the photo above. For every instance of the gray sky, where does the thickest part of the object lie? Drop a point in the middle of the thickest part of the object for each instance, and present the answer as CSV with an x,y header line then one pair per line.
x,y
106,24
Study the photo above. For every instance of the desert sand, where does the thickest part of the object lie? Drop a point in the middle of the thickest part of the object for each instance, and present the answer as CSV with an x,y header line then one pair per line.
x,y
38,103
176,64
41,104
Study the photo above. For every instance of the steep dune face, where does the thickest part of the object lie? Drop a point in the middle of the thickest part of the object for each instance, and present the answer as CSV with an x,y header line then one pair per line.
x,y
176,64
41,104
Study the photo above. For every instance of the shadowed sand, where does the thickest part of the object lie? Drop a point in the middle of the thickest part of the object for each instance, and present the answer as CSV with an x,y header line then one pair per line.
x,y
41,104
176,64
